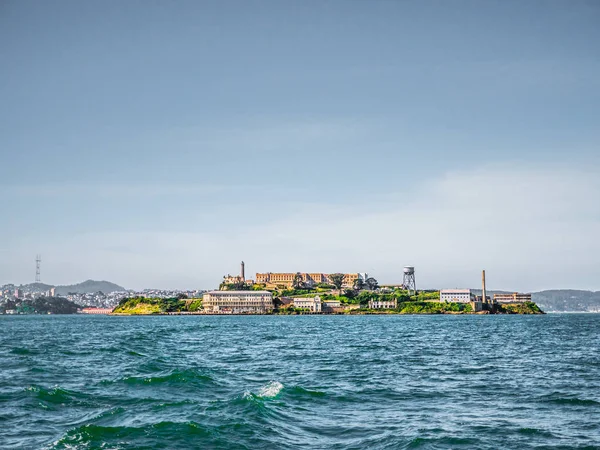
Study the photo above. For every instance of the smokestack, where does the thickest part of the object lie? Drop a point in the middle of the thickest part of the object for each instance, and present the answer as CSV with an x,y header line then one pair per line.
x,y
243,274
483,292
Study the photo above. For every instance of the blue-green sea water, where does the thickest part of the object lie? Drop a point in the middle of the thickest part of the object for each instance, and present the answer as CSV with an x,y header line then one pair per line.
x,y
260,382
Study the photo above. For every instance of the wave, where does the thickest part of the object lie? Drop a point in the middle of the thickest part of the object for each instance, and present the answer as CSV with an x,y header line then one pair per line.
x,y
187,376
475,369
270,390
573,401
444,442
559,398
97,436
57,395
298,391
22,351
535,432
272,337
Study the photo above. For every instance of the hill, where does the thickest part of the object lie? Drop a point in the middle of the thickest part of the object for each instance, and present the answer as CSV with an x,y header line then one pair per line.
x,y
561,300
567,300
37,287
89,286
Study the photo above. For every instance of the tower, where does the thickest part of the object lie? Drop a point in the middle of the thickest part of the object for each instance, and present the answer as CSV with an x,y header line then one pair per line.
x,y
483,291
408,280
243,273
38,261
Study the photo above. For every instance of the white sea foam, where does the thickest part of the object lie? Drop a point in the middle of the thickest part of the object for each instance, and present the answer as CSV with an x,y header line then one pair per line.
x,y
270,390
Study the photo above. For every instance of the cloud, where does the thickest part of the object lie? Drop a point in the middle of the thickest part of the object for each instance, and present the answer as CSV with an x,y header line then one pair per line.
x,y
530,228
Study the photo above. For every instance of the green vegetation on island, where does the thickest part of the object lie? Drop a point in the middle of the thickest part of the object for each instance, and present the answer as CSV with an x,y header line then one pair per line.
x,y
519,308
422,307
359,297
145,305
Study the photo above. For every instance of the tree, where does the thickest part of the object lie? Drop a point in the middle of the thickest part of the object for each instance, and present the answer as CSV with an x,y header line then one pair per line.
x,y
337,279
371,283
182,296
237,286
359,284
54,305
349,293
298,282
365,296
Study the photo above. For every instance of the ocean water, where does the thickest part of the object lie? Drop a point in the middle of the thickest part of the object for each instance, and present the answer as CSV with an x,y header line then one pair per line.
x,y
335,382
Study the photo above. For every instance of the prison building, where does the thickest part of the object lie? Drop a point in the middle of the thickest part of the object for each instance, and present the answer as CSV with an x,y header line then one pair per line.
x,y
309,279
514,297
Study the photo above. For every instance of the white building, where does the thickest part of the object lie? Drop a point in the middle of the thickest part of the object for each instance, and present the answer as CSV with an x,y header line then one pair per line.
x,y
313,304
332,303
331,306
383,304
457,295
238,302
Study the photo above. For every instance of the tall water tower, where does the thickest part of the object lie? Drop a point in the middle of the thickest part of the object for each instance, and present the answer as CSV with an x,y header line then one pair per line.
x,y
408,280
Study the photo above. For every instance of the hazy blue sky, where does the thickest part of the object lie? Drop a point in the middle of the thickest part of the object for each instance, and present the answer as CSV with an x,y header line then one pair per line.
x,y
156,143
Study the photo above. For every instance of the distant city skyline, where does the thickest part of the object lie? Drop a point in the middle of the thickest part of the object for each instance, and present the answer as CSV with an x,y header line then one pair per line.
x,y
156,145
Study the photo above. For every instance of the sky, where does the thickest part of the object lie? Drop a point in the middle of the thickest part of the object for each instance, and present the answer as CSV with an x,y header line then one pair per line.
x,y
157,144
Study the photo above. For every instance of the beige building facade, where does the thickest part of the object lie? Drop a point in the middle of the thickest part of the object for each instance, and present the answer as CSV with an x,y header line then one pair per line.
x,y
514,297
310,279
238,302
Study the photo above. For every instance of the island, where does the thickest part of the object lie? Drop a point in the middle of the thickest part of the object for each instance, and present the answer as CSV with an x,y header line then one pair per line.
x,y
321,299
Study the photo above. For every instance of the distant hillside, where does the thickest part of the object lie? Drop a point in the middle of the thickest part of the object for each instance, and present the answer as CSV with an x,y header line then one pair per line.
x,y
89,286
567,300
37,287
561,300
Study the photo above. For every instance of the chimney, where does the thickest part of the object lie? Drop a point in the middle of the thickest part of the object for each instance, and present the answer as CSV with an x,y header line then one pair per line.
x,y
483,292
243,274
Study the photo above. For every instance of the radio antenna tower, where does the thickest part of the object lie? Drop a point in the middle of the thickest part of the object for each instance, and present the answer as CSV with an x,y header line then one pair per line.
x,y
408,280
38,261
